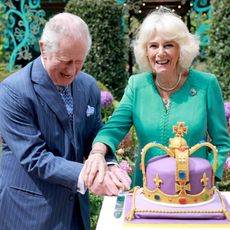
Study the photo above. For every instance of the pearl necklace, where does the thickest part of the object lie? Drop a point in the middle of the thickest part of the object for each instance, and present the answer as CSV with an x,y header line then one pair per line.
x,y
169,89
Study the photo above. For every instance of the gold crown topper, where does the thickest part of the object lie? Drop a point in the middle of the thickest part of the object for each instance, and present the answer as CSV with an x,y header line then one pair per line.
x,y
179,150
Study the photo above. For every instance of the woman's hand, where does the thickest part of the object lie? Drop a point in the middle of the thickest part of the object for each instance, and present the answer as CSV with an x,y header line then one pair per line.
x,y
95,165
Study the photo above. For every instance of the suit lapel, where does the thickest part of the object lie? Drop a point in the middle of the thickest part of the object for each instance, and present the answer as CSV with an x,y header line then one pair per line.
x,y
79,107
45,88
79,98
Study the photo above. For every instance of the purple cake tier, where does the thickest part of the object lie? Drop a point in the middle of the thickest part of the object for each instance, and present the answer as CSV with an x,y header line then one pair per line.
x,y
166,169
145,209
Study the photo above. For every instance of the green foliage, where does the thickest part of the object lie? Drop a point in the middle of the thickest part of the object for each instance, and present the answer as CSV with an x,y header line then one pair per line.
x,y
128,148
2,51
101,86
224,185
219,49
4,55
4,72
199,25
107,58
127,151
95,208
106,112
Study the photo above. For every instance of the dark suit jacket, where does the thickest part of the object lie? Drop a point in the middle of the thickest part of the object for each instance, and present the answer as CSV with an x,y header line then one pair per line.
x,y
42,151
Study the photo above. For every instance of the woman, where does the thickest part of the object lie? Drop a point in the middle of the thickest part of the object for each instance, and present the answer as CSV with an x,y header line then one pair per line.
x,y
166,92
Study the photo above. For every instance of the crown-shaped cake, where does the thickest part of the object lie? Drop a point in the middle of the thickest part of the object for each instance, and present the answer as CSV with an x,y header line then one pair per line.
x,y
177,185
193,179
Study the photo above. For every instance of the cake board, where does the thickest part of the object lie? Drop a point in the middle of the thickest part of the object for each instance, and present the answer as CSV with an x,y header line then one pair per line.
x,y
160,220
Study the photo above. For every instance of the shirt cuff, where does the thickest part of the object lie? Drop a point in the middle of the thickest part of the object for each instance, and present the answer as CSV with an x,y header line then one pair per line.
x,y
113,163
81,188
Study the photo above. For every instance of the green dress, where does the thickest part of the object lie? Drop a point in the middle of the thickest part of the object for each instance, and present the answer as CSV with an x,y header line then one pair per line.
x,y
198,103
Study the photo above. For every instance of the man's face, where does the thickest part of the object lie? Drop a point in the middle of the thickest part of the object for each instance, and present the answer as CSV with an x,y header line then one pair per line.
x,y
64,64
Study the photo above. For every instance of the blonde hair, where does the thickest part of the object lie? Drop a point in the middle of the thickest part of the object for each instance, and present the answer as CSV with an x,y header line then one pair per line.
x,y
171,27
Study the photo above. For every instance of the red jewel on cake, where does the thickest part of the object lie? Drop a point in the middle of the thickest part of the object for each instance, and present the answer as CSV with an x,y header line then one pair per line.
x,y
182,200
140,167
183,148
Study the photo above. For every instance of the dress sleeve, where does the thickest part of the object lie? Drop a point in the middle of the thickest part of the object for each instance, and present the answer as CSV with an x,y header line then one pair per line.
x,y
217,125
120,122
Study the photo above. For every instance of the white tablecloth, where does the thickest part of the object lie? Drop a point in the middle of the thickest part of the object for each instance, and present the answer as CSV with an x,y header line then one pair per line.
x,y
108,222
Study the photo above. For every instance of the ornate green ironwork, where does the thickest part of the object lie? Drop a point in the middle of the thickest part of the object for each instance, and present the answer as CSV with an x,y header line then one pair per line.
x,y
203,12
201,6
23,20
130,7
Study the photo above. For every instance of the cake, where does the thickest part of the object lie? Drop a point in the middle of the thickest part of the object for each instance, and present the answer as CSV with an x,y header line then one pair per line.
x,y
177,185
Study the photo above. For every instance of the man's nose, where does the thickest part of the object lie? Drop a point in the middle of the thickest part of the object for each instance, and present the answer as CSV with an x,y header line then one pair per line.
x,y
72,68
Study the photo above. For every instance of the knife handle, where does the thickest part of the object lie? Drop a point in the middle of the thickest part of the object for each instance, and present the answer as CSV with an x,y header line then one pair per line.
x,y
119,205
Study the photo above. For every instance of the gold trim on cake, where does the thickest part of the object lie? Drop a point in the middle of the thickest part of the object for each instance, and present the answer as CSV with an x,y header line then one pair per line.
x,y
131,214
134,210
181,198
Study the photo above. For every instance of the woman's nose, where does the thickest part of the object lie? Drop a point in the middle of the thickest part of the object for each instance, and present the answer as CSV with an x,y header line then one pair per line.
x,y
161,50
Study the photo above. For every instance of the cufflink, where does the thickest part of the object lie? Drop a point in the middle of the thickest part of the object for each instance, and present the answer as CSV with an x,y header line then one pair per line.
x,y
193,92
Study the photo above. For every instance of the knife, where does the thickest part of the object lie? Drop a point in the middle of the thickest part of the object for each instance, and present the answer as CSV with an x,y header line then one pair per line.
x,y
119,205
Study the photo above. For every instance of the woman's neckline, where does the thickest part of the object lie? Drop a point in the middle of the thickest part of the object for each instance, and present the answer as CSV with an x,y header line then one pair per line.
x,y
184,82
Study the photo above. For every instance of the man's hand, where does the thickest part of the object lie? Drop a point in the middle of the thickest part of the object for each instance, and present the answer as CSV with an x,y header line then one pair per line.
x,y
115,180
121,176
109,187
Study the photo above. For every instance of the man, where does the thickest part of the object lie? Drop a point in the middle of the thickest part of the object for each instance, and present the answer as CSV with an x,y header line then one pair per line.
x,y
49,115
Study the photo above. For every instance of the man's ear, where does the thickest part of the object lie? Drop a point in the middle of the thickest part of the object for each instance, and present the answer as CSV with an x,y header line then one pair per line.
x,y
42,49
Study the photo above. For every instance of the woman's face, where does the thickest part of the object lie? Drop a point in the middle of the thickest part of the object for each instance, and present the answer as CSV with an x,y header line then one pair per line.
x,y
163,55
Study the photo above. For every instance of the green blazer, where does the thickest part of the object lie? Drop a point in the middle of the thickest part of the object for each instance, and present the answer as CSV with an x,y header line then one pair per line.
x,y
198,103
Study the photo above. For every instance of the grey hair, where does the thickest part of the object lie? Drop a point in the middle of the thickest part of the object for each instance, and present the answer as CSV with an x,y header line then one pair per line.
x,y
171,27
64,25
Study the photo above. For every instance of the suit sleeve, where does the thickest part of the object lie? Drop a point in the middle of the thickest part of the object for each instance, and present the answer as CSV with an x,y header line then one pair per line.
x,y
217,125
120,122
22,137
97,121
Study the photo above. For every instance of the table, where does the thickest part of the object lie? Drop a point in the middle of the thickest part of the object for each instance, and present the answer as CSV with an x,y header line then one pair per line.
x,y
107,221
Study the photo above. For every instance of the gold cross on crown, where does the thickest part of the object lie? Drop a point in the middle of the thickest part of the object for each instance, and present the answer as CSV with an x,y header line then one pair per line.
x,y
182,187
180,129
